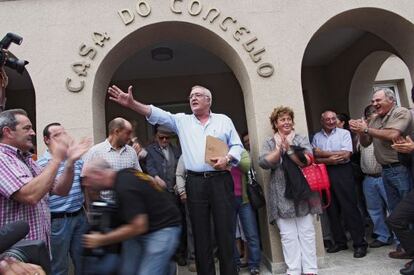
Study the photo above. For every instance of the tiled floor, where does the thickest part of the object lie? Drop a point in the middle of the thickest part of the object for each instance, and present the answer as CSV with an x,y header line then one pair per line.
x,y
376,262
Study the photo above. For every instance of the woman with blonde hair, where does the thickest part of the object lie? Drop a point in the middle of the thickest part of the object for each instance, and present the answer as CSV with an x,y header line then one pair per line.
x,y
293,217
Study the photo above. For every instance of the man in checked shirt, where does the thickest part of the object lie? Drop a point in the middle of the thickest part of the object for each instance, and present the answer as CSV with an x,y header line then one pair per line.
x,y
24,186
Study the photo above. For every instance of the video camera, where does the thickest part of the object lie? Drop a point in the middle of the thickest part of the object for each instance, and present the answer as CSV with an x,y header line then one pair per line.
x,y
102,218
13,63
27,251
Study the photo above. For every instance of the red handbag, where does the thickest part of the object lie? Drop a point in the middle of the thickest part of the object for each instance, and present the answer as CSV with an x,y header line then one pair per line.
x,y
317,177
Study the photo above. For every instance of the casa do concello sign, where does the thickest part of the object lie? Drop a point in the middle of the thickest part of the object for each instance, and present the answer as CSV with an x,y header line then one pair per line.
x,y
195,8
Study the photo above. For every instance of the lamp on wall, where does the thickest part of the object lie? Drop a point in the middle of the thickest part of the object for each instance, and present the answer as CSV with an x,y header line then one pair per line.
x,y
162,54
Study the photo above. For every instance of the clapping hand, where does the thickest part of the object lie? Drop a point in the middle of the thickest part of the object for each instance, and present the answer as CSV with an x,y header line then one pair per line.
x,y
77,149
403,145
358,125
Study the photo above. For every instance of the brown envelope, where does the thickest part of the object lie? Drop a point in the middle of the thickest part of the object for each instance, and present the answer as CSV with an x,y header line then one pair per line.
x,y
215,147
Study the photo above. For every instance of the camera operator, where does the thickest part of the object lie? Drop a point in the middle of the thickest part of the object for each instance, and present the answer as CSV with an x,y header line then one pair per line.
x,y
24,187
146,213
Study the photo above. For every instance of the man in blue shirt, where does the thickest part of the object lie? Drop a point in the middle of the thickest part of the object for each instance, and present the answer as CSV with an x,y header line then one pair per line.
x,y
68,218
208,186
333,146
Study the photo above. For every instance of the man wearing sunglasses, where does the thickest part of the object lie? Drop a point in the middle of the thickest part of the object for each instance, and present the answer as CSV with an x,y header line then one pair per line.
x,y
162,158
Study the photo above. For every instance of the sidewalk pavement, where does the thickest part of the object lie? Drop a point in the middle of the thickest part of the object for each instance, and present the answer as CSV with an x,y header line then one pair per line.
x,y
376,262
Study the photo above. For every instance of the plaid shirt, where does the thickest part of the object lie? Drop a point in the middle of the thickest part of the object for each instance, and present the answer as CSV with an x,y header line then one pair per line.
x,y
126,157
16,170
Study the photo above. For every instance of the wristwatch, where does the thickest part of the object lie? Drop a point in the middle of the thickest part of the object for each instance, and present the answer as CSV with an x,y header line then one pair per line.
x,y
366,131
228,160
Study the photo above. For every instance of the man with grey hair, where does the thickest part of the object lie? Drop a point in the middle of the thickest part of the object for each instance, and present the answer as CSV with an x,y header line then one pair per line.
x,y
147,217
24,186
209,183
390,123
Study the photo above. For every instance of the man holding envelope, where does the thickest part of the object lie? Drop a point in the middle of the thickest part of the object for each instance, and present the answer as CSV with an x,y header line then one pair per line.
x,y
210,145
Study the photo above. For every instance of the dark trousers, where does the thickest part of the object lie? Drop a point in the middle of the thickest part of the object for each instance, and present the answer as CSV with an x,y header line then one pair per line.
x,y
400,220
207,197
344,203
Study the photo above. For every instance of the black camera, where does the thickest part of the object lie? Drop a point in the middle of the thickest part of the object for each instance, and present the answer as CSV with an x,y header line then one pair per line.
x,y
13,63
30,251
102,218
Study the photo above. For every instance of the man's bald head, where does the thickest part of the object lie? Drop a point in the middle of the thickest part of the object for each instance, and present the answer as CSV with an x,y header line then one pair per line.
x,y
118,123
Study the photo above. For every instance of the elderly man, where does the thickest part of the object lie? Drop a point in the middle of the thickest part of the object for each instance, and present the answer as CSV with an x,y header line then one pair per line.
x,y
390,123
374,190
208,187
68,218
333,146
146,214
162,158
24,187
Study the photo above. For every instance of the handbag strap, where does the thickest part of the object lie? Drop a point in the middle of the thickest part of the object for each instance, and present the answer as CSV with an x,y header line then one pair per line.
x,y
251,174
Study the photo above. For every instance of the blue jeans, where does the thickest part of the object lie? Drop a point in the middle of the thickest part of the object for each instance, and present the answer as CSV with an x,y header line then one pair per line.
x,y
105,265
66,238
156,251
376,200
249,224
397,182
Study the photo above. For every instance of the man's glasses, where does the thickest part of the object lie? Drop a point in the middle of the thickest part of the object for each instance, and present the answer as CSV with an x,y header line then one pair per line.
x,y
164,137
196,95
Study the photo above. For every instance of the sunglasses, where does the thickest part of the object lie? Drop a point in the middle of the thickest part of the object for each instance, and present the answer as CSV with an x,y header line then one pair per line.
x,y
164,137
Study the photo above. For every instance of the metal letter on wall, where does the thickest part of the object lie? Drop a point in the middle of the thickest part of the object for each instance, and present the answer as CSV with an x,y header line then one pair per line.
x,y
80,68
265,70
222,26
240,32
191,5
74,89
127,16
255,56
99,38
209,12
173,8
84,51
147,10
248,45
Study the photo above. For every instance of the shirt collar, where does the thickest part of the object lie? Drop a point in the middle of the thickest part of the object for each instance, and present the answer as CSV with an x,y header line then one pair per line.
x,y
326,134
13,150
388,114
108,147
208,121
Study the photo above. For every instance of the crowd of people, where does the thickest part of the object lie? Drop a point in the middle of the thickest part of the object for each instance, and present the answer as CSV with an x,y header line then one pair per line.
x,y
119,208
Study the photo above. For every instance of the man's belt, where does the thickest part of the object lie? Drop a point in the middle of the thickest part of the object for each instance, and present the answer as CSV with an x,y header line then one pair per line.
x,y
394,164
207,174
378,175
60,215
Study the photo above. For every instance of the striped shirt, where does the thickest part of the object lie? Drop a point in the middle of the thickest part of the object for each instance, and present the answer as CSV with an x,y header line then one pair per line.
x,y
16,170
74,200
126,157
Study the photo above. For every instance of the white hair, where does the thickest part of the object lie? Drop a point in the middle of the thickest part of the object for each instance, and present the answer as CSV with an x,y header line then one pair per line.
x,y
206,92
387,92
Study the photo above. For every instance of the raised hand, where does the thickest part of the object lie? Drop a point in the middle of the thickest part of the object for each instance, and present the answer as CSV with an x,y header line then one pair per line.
x,y
120,97
58,149
77,149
